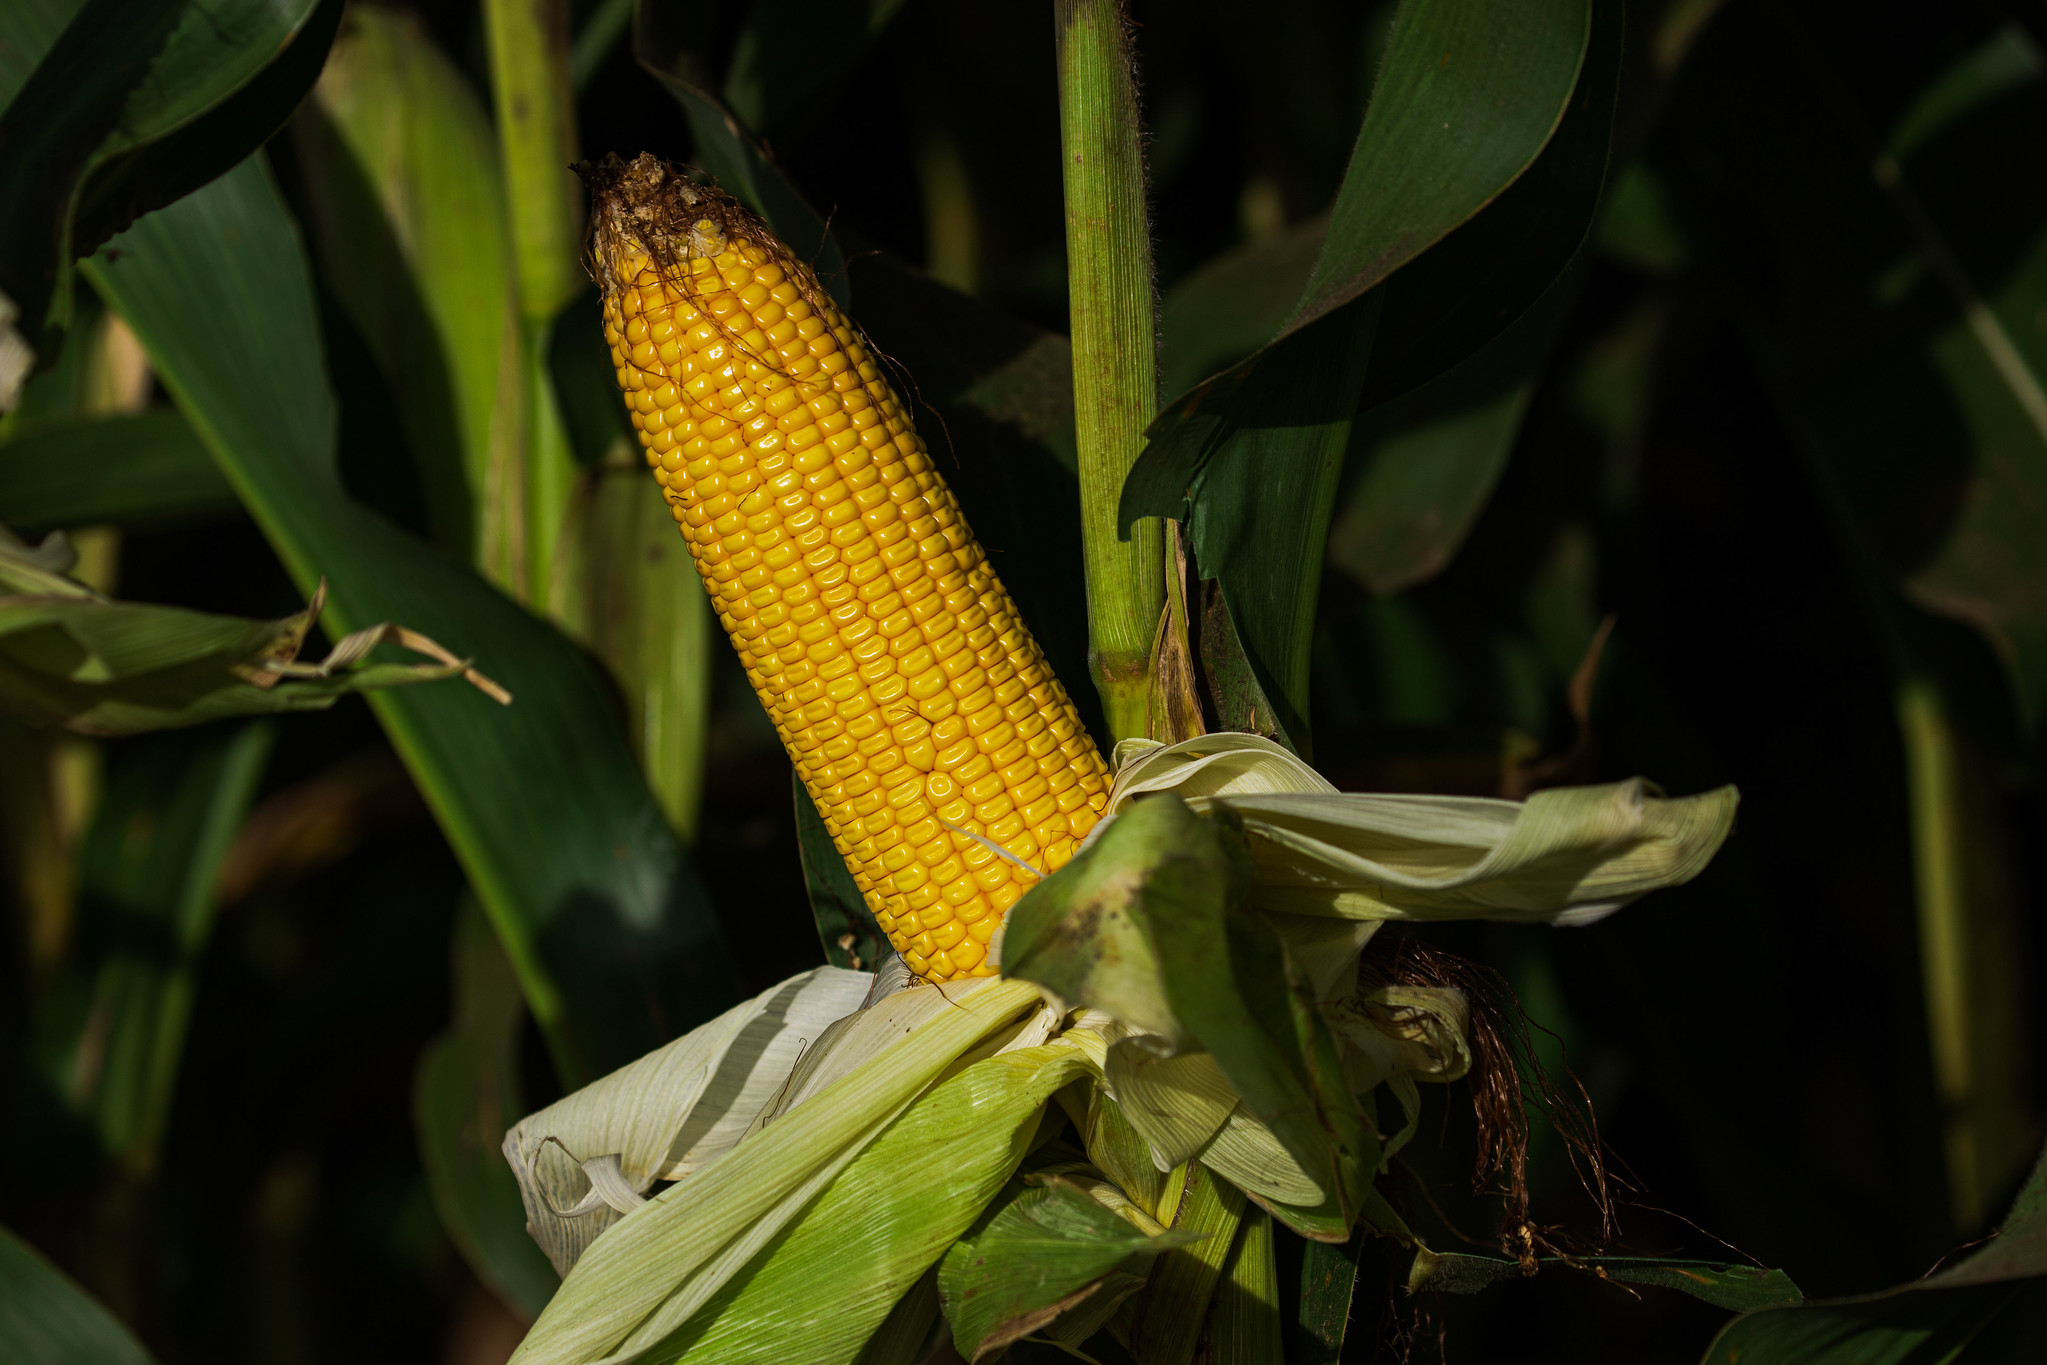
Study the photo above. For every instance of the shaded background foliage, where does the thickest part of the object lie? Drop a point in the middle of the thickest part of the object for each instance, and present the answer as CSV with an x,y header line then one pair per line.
x,y
1756,442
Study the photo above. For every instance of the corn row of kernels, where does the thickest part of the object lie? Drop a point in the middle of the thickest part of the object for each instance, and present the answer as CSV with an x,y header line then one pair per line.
x,y
893,663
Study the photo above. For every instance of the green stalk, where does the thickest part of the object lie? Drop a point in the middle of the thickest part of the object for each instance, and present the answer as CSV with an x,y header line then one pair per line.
x,y
1115,360
1967,944
536,117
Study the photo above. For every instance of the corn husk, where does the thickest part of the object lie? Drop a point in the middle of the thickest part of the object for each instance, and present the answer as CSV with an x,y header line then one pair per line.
x,y
666,1259
589,1159
1567,855
1193,969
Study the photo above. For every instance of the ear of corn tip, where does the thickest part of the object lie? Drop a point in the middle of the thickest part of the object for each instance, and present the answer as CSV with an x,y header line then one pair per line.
x,y
915,705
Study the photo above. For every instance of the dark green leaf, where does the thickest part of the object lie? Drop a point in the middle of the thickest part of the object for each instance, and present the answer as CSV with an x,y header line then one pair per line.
x,y
73,658
1148,924
1468,95
465,1094
1466,289
408,214
1421,467
1911,1329
1329,1278
126,470
46,1319
163,170
137,103
737,160
150,862
1234,304
1256,488
1927,1320
1045,1248
1736,1287
588,889
850,936
793,55
1249,458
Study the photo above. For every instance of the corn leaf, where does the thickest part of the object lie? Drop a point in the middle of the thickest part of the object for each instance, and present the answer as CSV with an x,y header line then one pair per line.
x,y
71,657
1042,1249
586,886
1244,1326
1447,132
46,1319
1229,307
1570,855
847,930
1738,1287
833,1277
133,106
1321,1317
410,223
632,595
149,864
1928,1319
1147,924
650,1274
127,471
1168,1318
671,1112
465,1092
794,56
1419,469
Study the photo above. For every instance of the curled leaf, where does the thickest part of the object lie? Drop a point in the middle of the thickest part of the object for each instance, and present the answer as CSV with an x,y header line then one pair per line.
x,y
1567,855
71,657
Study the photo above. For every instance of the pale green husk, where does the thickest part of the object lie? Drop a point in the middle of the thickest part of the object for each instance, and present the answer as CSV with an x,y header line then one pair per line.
x,y
832,1138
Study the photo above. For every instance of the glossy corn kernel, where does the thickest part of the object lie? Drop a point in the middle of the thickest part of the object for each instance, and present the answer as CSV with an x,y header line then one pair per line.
x,y
915,705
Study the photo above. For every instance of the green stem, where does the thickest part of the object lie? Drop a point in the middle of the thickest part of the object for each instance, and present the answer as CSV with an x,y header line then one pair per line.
x,y
1115,361
536,116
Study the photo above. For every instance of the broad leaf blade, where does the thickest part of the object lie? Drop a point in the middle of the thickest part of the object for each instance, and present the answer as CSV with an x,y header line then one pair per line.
x,y
465,1092
1046,1247
585,884
845,928
1724,1285
1929,1319
1421,468
402,175
127,77
70,657
150,863
1249,458
46,1319
127,471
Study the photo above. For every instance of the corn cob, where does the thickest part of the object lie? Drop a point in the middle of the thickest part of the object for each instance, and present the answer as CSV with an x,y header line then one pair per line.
x,y
916,707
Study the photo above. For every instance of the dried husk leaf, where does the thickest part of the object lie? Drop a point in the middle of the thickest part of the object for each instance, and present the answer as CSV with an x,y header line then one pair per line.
x,y
669,1113
1567,855
658,1266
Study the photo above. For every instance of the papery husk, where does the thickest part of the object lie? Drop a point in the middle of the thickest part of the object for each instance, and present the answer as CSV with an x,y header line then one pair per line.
x,y
1567,855
659,1265
589,1158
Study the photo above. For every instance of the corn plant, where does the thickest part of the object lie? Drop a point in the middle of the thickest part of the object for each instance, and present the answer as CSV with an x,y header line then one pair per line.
x,y
1149,956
